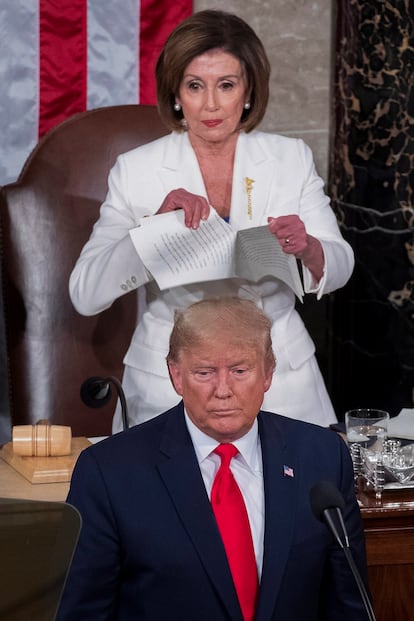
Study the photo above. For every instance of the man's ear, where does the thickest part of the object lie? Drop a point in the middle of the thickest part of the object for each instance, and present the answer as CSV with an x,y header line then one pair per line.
x,y
269,377
175,376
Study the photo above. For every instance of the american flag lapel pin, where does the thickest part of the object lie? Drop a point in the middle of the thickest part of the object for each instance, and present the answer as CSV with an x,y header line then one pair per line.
x,y
288,471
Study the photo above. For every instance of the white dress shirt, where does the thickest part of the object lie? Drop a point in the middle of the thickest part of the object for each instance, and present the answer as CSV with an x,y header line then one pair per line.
x,y
247,469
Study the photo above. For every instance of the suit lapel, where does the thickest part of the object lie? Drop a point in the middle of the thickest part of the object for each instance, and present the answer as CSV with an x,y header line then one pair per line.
x,y
182,477
280,509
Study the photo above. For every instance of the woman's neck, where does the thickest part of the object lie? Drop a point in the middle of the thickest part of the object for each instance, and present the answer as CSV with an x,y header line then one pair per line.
x,y
205,149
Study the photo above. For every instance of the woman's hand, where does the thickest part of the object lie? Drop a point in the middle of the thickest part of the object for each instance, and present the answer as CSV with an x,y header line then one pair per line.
x,y
196,208
293,238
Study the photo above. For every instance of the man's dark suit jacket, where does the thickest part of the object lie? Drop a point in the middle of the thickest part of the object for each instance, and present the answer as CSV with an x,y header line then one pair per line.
x,y
150,550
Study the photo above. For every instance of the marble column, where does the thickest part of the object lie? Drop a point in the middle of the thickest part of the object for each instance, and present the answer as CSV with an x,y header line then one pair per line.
x,y
372,185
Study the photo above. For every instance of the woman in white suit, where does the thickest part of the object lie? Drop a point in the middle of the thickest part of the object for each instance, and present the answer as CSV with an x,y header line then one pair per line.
x,y
213,86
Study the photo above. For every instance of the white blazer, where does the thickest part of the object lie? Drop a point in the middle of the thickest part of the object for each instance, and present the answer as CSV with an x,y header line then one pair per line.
x,y
284,182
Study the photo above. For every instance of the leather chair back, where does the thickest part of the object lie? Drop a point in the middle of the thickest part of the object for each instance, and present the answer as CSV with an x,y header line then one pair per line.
x,y
46,217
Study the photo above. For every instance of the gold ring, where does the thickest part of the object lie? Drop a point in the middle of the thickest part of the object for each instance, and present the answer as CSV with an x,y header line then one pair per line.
x,y
287,241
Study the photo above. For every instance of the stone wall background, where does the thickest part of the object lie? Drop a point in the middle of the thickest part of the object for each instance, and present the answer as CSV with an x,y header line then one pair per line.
x,y
298,39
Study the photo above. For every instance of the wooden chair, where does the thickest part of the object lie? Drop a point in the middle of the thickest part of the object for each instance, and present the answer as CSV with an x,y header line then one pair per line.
x,y
45,219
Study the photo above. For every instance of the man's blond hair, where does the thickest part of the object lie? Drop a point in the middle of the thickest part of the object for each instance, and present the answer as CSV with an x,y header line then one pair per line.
x,y
238,320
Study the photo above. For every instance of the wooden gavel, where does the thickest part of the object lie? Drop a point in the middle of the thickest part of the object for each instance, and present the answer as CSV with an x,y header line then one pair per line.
x,y
42,440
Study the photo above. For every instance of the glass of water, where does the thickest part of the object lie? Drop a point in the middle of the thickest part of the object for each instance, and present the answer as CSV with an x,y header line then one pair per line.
x,y
367,432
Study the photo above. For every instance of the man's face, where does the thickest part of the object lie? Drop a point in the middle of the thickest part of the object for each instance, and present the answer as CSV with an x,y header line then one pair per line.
x,y
222,385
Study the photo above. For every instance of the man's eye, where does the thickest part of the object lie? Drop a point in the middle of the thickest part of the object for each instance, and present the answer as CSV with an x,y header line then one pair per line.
x,y
203,373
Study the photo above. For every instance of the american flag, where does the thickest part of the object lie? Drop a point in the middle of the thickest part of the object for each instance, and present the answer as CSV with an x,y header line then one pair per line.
x,y
288,471
61,58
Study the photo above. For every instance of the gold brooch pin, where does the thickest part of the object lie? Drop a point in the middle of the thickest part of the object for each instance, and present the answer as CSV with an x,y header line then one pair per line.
x,y
249,188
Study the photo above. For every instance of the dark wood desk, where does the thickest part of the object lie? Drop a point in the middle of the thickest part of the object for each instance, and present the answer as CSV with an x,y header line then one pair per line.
x,y
389,532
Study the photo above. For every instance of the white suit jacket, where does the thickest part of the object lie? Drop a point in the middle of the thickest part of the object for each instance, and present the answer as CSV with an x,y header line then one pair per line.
x,y
284,182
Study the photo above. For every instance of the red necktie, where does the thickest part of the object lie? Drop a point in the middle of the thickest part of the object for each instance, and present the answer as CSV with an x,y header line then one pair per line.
x,y
233,522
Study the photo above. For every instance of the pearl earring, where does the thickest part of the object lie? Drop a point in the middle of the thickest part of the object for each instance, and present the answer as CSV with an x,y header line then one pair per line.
x,y
177,107
247,105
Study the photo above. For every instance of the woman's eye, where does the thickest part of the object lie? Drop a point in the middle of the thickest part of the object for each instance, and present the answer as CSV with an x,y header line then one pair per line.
x,y
226,86
194,86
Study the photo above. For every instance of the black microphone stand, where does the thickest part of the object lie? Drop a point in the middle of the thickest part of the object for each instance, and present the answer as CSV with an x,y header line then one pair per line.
x,y
327,504
95,392
344,544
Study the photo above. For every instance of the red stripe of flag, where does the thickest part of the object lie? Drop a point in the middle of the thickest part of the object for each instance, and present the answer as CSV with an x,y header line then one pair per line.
x,y
62,60
157,20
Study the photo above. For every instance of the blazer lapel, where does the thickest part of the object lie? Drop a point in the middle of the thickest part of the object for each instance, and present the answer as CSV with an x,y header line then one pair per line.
x,y
254,170
182,477
253,176
281,470
180,168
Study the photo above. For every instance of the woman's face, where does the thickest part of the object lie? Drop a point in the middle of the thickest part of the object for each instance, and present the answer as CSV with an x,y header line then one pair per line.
x,y
212,95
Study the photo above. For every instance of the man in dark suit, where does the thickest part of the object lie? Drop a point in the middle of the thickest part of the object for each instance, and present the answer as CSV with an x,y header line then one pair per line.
x,y
150,547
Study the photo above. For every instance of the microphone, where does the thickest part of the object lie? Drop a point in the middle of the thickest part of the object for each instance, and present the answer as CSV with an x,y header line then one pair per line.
x,y
327,505
95,392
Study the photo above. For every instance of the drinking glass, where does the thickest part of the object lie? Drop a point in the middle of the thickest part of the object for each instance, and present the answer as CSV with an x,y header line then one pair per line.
x,y
366,431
